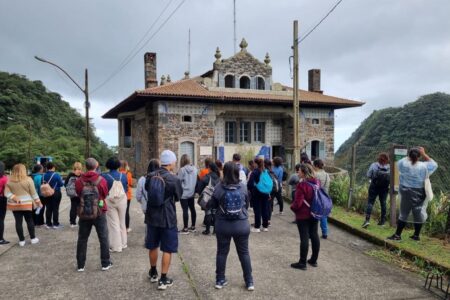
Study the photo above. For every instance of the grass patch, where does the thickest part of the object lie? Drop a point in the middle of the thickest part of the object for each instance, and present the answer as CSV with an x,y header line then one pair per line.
x,y
428,248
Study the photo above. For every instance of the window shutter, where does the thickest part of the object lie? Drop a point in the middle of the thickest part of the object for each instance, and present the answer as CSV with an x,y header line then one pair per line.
x,y
322,150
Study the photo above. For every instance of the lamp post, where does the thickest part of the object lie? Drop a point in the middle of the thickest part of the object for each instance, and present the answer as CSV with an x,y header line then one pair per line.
x,y
87,105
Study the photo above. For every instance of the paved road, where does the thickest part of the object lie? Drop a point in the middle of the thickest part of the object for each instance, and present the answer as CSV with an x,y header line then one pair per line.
x,y
48,270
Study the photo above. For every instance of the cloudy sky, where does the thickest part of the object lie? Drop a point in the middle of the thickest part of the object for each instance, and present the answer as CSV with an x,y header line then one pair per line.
x,y
383,52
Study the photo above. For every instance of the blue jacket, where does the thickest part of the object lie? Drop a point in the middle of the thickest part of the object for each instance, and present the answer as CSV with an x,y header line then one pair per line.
x,y
56,181
278,171
37,179
116,175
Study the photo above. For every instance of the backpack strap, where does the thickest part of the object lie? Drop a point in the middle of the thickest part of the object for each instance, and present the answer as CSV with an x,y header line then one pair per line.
x,y
314,187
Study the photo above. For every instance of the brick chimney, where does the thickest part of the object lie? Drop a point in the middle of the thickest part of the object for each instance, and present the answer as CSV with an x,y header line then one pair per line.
x,y
150,70
314,81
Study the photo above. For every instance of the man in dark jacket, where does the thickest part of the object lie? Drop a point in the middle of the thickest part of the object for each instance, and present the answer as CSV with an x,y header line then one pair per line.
x,y
85,226
161,221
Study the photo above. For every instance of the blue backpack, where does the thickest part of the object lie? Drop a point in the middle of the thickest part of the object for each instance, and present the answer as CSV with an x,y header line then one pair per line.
x,y
231,204
265,184
321,204
156,187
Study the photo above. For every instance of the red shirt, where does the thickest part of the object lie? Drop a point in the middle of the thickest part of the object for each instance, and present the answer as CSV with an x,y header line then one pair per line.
x,y
92,176
3,182
304,192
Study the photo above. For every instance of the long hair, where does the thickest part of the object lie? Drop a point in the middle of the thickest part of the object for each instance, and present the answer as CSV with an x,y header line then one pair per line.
x,y
19,173
230,173
153,165
213,168
308,171
414,155
260,163
184,160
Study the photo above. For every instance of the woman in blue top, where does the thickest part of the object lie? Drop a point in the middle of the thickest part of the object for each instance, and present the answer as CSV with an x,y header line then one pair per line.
x,y
55,181
278,170
37,174
412,191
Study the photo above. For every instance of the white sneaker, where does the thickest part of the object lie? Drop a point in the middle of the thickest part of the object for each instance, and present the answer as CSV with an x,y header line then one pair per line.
x,y
256,230
125,247
281,213
80,270
35,241
265,229
21,243
129,230
73,225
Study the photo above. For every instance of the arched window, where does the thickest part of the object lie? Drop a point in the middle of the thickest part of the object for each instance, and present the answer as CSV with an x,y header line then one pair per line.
x,y
188,148
260,83
229,81
244,82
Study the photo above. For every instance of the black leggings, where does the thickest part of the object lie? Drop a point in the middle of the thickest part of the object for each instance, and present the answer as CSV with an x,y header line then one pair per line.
x,y
308,229
73,210
188,204
52,212
2,216
401,225
28,215
127,215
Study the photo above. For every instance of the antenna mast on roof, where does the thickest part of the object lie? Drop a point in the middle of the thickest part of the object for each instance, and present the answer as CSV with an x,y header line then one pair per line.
x,y
189,52
234,20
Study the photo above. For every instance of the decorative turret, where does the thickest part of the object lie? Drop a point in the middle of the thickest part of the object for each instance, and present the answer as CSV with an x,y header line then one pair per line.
x,y
267,59
243,45
163,80
218,55
186,75
168,79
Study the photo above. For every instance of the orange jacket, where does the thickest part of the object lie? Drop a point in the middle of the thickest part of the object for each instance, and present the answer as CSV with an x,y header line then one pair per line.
x,y
203,173
130,183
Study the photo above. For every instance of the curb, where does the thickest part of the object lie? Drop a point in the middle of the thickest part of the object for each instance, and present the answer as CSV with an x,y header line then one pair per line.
x,y
386,244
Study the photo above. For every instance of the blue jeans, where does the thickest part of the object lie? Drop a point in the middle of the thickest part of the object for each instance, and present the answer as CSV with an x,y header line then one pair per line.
x,y
324,226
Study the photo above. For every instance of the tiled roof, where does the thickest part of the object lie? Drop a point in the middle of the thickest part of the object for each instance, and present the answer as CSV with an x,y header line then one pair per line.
x,y
191,89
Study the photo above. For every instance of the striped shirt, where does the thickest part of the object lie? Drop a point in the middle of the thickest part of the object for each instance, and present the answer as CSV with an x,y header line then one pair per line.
x,y
24,191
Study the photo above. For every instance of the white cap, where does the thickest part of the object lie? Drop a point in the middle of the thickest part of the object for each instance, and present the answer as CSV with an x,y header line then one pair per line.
x,y
167,158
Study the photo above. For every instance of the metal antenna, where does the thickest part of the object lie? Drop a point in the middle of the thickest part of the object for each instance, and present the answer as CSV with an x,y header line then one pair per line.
x,y
234,15
189,52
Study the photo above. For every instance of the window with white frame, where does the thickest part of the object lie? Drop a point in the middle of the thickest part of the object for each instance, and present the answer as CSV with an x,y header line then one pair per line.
x,y
244,132
259,132
230,132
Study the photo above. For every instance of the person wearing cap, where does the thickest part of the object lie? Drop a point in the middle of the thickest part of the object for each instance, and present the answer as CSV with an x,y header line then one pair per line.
x,y
161,221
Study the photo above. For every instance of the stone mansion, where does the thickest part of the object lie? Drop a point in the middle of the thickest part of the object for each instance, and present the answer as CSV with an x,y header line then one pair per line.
x,y
235,107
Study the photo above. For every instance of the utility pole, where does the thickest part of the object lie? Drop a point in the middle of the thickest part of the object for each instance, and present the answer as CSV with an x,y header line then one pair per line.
x,y
234,27
87,105
296,104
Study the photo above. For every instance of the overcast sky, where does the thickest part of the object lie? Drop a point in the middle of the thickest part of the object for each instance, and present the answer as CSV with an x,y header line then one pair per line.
x,y
383,52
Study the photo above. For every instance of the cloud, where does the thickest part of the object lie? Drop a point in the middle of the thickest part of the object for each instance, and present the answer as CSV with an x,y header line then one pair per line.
x,y
383,52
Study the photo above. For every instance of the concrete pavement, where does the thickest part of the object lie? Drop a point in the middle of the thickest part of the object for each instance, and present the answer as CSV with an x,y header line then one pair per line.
x,y
48,270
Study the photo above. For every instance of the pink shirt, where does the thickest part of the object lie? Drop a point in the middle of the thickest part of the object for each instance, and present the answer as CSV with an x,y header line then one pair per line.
x,y
3,182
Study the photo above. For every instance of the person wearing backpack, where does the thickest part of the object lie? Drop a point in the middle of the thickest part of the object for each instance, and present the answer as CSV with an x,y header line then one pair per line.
x,y
260,185
3,201
91,190
36,175
211,180
379,174
307,225
141,191
125,169
230,199
163,190
325,180
188,176
51,191
279,172
69,183
117,205
275,187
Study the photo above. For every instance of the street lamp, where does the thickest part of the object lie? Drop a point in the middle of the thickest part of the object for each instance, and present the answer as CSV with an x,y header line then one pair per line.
x,y
87,105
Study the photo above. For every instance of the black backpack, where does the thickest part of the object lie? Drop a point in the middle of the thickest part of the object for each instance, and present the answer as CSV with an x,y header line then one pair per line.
x,y
382,177
155,186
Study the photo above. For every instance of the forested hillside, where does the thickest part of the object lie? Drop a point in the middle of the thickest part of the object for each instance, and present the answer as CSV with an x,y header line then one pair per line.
x,y
35,121
425,122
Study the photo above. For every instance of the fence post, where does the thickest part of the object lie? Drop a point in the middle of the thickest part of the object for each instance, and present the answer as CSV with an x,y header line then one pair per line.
x,y
352,177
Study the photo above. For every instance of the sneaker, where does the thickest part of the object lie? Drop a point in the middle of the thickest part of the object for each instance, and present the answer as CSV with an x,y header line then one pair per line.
x,y
48,226
324,236
58,226
164,283
312,264
250,286
365,224
206,232
184,231
192,229
381,222
124,247
299,265
415,237
265,229
80,269
269,224
3,242
256,230
153,277
221,283
395,237
281,213
73,225
107,267
129,230
21,243
35,240
294,222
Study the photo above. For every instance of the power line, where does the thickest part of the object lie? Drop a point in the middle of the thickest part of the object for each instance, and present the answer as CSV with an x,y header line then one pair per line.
x,y
320,22
137,51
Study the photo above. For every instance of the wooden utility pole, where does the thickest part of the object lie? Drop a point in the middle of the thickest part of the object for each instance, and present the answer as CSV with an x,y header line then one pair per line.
x,y
87,106
352,177
296,104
